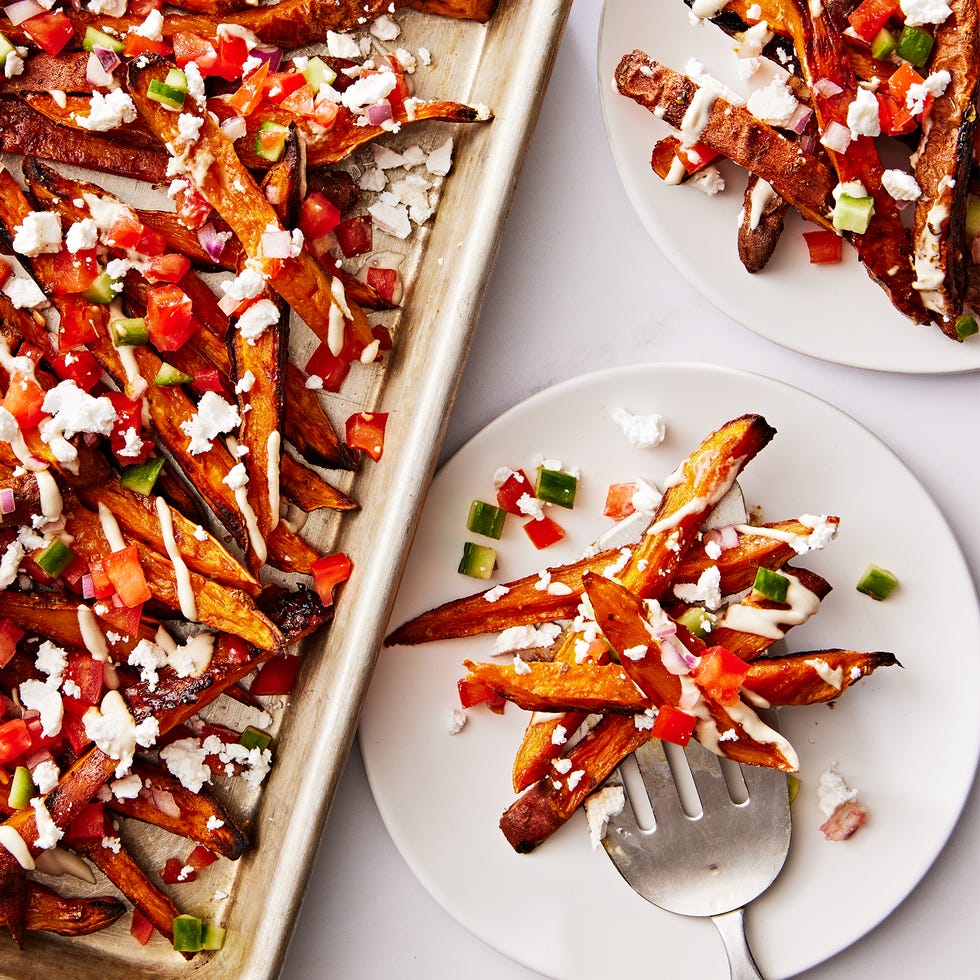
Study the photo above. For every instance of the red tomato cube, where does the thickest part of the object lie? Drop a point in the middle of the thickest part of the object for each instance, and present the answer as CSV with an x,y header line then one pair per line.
x,y
543,532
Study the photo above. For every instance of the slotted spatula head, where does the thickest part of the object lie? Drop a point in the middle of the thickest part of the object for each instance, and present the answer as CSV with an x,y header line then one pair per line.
x,y
713,862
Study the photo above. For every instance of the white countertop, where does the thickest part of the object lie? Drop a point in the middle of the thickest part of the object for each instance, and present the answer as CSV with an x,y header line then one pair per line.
x,y
580,286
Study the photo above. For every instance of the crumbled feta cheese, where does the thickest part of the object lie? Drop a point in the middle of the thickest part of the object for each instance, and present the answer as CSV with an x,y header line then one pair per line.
x,y
107,8
919,12
646,498
39,233
195,83
115,732
709,181
113,844
368,91
214,823
237,477
526,638
706,590
14,63
754,40
832,791
246,285
73,410
497,592
314,382
189,128
560,735
439,162
774,104
51,660
342,46
862,115
385,29
149,658
108,111
152,27
531,506
82,235
641,431
599,807
257,318
23,292
245,383
214,416
901,185
200,533
45,776
127,788
48,832
185,758
393,219
46,700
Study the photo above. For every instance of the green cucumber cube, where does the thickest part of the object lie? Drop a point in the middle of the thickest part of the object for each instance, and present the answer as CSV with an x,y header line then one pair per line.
x,y
973,219
853,213
21,789
486,519
478,560
95,38
317,72
167,95
556,487
213,936
130,331
6,48
188,934
698,621
168,376
877,582
254,738
270,141
55,558
770,585
176,79
103,290
142,477
883,44
914,45
966,326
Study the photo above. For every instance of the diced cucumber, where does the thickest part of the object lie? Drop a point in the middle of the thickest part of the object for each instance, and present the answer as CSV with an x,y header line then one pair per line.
x,y
914,45
698,621
973,219
556,487
270,141
213,936
21,789
793,782
877,582
317,72
770,585
94,38
168,376
167,95
55,558
188,934
883,44
853,213
486,519
129,331
254,738
142,477
478,560
101,291
176,79
6,48
966,326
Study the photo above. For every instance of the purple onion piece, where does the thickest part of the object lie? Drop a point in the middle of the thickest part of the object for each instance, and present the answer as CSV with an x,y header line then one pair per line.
x,y
270,55
107,57
379,113
7,503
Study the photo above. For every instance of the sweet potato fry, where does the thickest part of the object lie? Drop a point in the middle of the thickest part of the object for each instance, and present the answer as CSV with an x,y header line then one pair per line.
x,y
47,911
77,107
760,224
43,72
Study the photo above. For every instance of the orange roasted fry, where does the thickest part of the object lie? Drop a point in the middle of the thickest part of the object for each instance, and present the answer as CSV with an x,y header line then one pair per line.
x,y
47,911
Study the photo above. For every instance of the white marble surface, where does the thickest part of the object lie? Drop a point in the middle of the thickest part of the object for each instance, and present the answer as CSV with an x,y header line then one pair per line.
x,y
579,286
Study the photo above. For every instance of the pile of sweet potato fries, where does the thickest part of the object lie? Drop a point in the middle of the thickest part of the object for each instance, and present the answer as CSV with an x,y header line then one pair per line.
x,y
144,417
627,668
853,88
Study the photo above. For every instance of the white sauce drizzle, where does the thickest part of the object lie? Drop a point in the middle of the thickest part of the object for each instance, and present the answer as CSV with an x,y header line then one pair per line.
x,y
92,635
110,528
14,844
832,676
185,590
696,116
766,622
273,449
667,523
251,523
676,173
51,502
762,194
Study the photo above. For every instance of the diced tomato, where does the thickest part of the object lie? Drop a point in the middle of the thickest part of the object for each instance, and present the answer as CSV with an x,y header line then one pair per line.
x,y
86,672
330,368
516,485
673,725
100,580
400,92
77,326
226,734
136,44
209,379
239,652
276,676
384,281
476,692
39,741
15,739
720,674
300,102
366,431
619,501
51,31
23,400
126,574
75,272
695,157
152,242
232,52
141,929
142,8
193,47
543,532
123,619
73,729
895,118
168,317
200,857
325,112
126,230
10,635
354,235
825,247
192,207
171,267
90,824
870,17
280,85
328,572
79,366
317,216
246,100
173,872
901,80
129,419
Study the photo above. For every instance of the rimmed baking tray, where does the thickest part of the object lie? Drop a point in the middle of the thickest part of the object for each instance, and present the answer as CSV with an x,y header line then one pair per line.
x,y
504,65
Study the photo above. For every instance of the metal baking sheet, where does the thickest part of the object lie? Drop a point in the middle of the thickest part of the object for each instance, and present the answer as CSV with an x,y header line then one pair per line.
x,y
504,65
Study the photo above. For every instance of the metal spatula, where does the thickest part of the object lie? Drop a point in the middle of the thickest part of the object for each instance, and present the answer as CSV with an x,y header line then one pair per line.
x,y
705,855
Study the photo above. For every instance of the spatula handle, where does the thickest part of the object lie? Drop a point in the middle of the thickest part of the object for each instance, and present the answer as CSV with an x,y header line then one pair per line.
x,y
731,925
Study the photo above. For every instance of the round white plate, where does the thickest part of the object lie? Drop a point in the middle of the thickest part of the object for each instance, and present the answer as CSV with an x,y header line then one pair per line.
x,y
907,739
832,312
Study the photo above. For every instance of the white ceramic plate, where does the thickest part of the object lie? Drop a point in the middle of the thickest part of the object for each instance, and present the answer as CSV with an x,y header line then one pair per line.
x,y
832,312
441,796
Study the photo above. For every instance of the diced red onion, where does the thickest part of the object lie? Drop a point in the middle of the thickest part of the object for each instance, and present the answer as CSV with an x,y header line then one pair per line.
x,y
211,241
88,586
34,464
228,304
36,758
272,56
234,128
22,10
668,629
800,118
902,205
7,502
31,714
116,601
836,136
826,88
808,143
676,659
107,57
164,801
276,244
729,537
379,112
96,73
